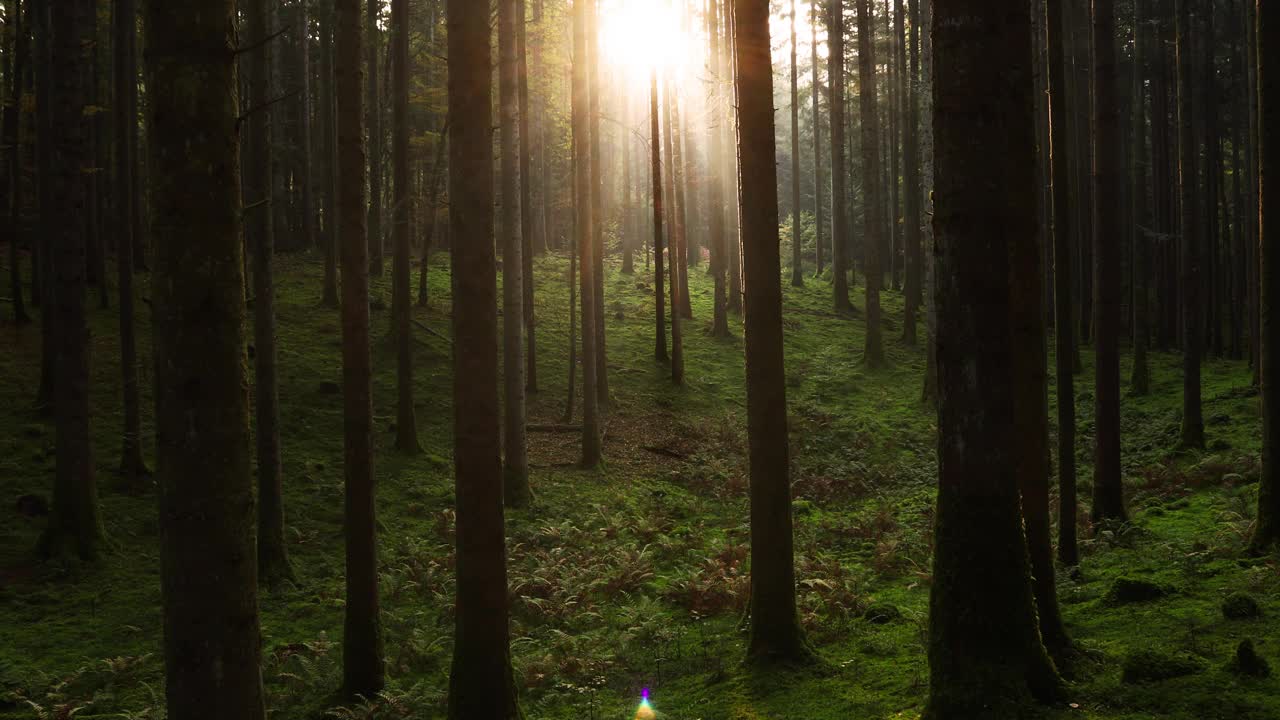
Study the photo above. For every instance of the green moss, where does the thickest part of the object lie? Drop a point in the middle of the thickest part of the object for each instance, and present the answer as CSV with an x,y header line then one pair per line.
x,y
1240,606
1143,666
606,567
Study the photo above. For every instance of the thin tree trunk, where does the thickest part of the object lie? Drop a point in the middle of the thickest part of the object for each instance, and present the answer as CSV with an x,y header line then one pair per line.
x,y
363,670
526,203
329,293
1192,419
586,197
911,183
673,242
816,91
1140,380
655,145
406,418
16,69
839,208
373,113
872,224
797,269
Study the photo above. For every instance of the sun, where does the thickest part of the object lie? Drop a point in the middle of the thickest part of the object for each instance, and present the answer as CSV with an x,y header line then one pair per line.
x,y
640,36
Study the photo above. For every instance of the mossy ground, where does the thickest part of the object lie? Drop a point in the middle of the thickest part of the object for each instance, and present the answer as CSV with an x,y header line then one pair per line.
x,y
634,575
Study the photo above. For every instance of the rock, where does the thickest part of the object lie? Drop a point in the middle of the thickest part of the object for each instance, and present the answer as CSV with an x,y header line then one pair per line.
x,y
1240,606
1248,661
1124,591
32,505
1143,666
1220,419
1233,479
882,614
329,387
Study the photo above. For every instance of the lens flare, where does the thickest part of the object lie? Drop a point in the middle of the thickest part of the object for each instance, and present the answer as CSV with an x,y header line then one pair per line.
x,y
644,712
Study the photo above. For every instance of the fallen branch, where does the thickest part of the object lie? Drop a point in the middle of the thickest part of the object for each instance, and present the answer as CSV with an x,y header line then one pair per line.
x,y
554,428
428,329
665,452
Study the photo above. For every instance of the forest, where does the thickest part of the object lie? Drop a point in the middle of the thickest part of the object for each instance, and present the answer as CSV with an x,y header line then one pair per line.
x,y
639,359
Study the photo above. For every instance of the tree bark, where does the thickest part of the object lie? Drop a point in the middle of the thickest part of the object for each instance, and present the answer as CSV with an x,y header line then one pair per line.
x,y
816,91
401,311
208,567
373,113
797,269
586,195
363,670
659,298
872,218
776,635
1188,152
1267,533
839,207
673,241
480,682
985,647
15,71
75,522
1140,379
526,203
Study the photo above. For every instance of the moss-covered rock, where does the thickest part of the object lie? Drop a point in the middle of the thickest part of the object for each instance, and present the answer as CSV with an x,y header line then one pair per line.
x,y
882,614
1126,590
1143,666
1241,606
1248,661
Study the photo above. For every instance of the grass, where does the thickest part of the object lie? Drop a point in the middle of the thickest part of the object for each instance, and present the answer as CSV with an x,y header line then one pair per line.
x,y
635,575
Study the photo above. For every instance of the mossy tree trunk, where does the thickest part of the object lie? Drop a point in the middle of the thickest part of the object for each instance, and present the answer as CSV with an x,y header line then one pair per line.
x,y
481,685
208,567
776,635
75,525
362,662
985,647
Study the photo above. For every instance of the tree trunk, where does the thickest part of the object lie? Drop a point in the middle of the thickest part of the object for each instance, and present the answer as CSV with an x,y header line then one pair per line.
x,y
816,91
1267,533
1108,490
1140,380
15,71
673,242
362,664
373,113
273,558
839,207
47,226
716,225
776,635
402,313
586,201
306,180
1064,323
75,523
480,682
911,183
984,644
329,295
526,203
659,298
1188,152
797,270
208,567
872,222
600,380
516,466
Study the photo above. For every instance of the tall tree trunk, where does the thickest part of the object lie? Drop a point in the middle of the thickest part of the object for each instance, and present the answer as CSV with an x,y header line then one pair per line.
x,y
1267,533
480,682
680,175
526,203
406,418
306,181
673,242
329,294
872,222
797,269
776,636
815,90
373,113
75,523
911,185
659,299
208,568
839,206
273,558
984,643
1064,322
729,63
362,663
47,225
1108,490
586,196
716,224
15,71
601,378
515,473
1188,152
1140,380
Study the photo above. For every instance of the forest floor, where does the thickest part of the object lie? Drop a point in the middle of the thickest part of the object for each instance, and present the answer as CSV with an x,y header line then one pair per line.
x,y
635,575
